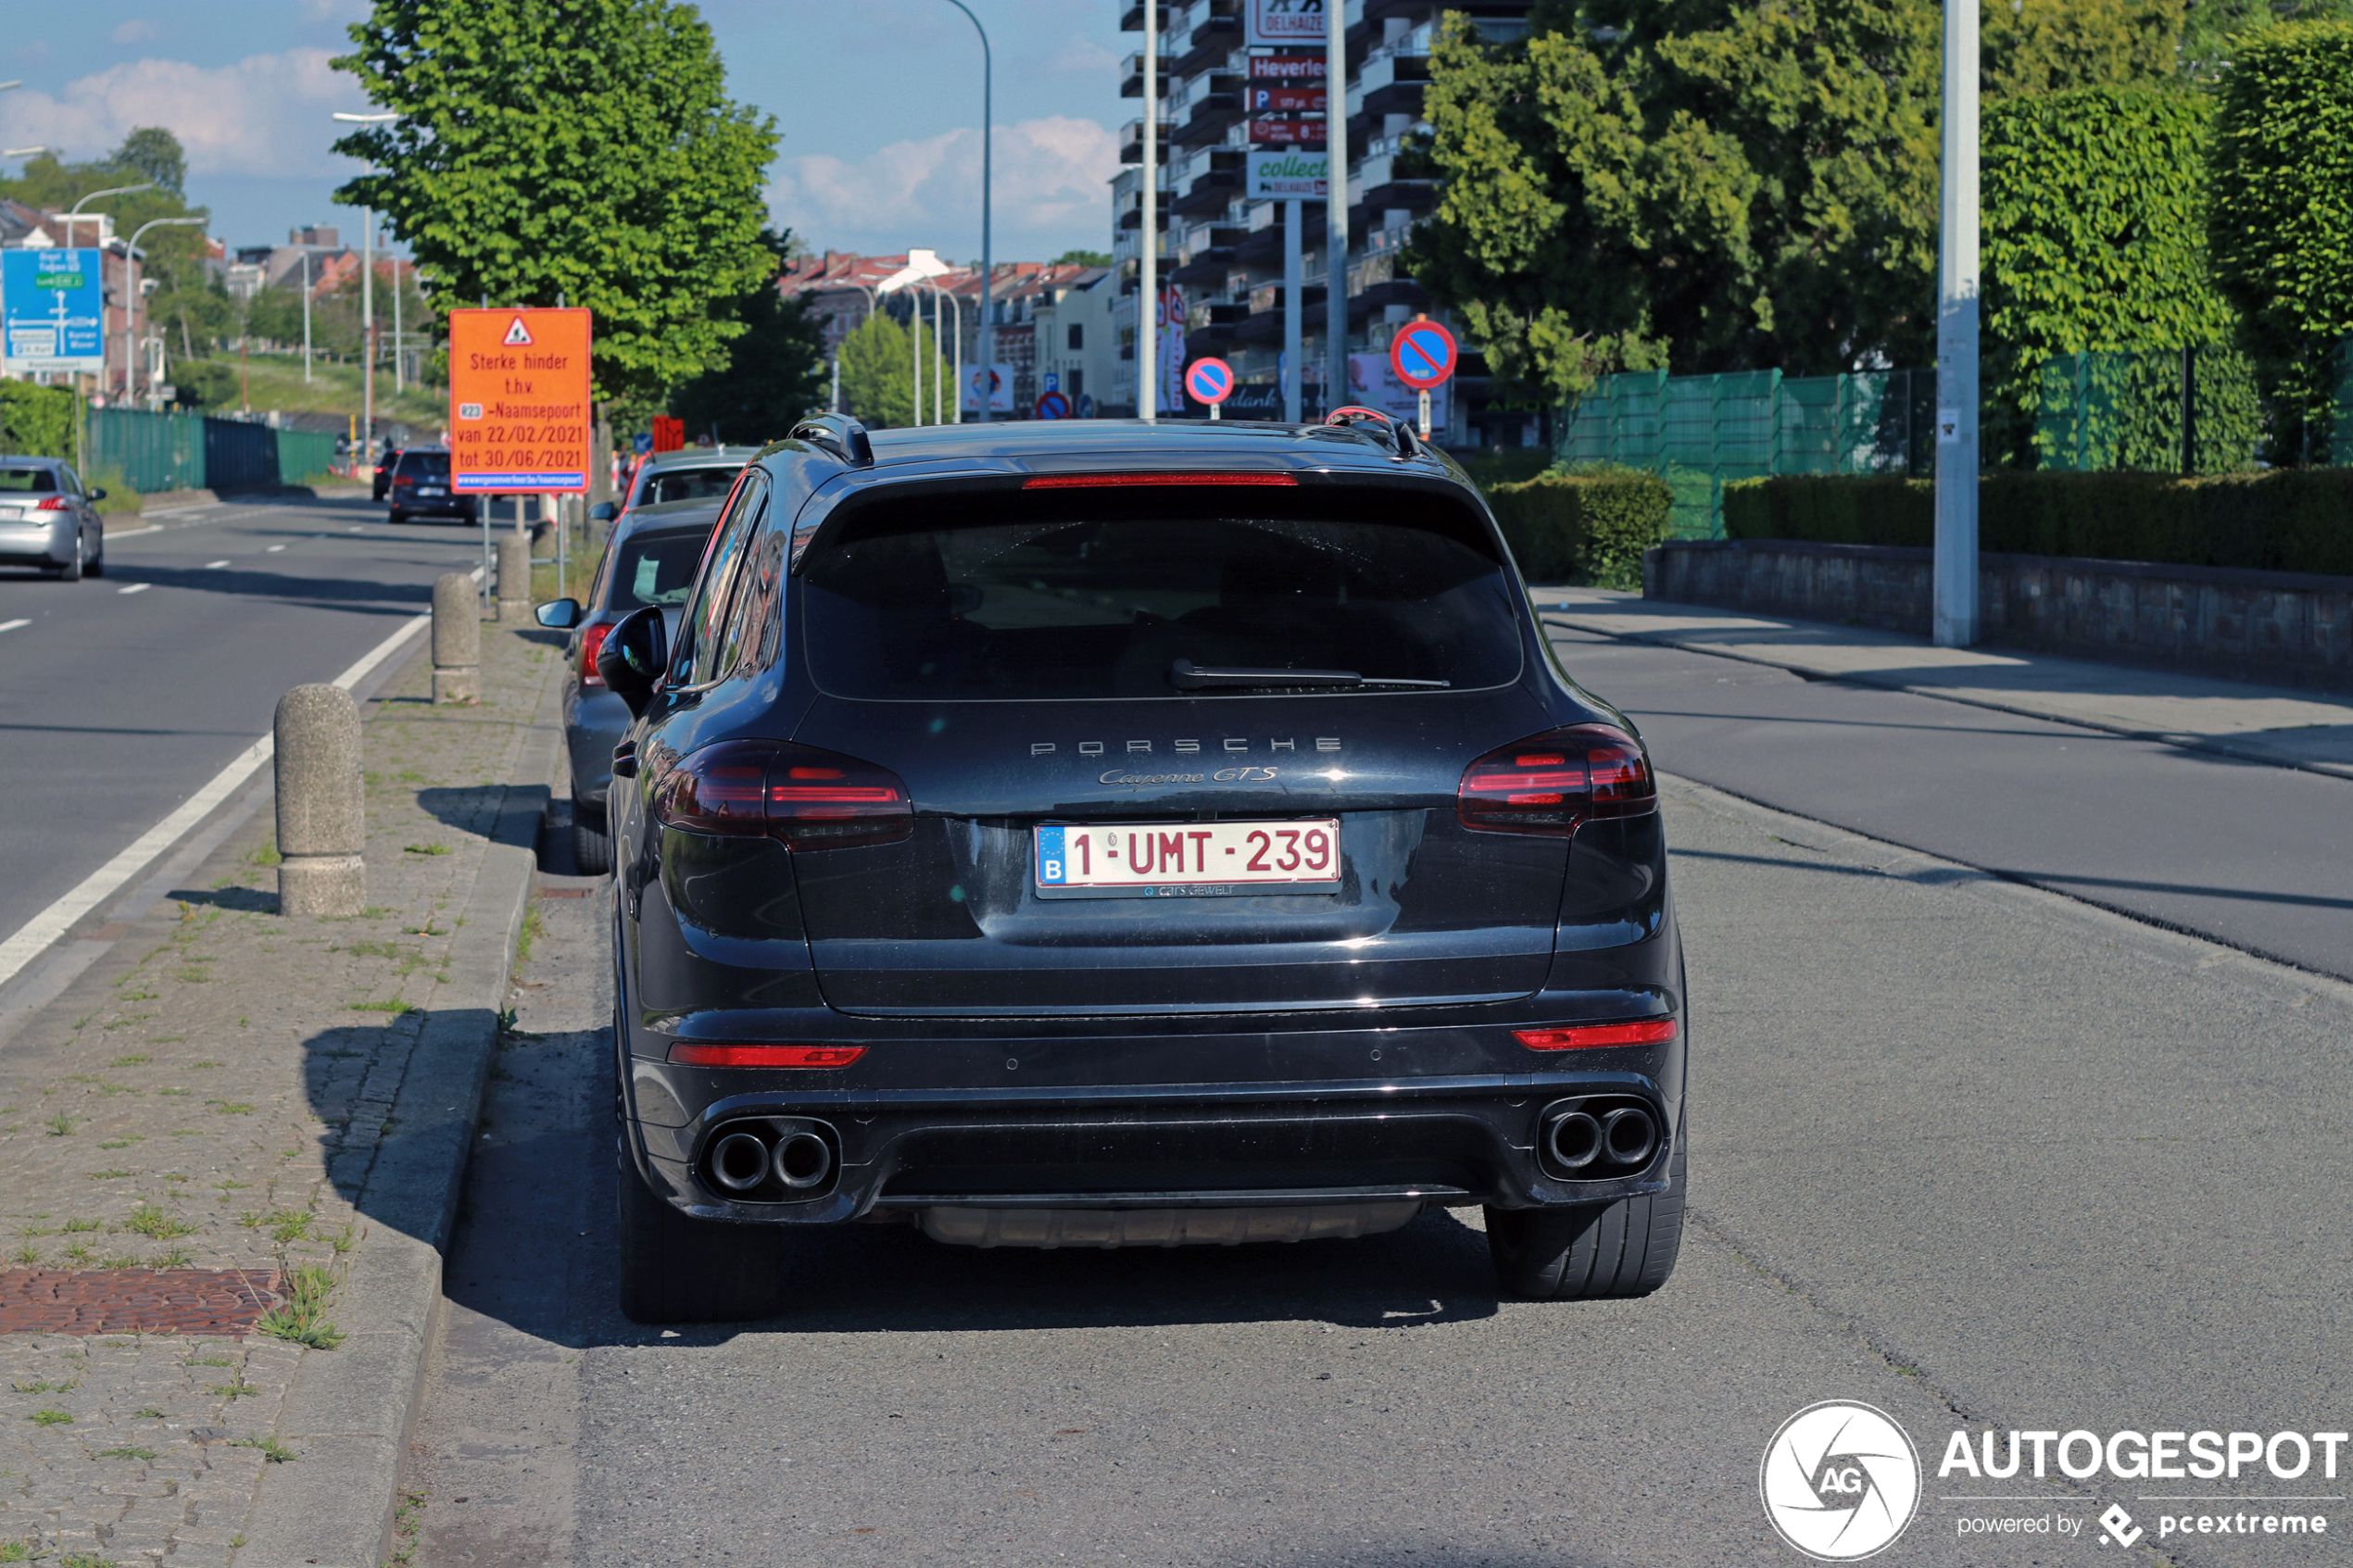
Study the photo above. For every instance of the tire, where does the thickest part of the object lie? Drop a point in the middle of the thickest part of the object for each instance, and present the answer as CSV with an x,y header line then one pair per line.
x,y
591,839
395,517
1594,1251
98,567
71,571
674,1269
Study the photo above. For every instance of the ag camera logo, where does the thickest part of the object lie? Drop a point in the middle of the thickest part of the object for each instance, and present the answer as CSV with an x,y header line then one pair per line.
x,y
1840,1481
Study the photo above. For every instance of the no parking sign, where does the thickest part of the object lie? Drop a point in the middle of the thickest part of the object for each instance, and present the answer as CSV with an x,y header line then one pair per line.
x,y
1210,381
1423,354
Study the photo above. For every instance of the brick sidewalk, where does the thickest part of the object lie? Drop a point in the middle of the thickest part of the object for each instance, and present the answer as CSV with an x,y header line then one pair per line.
x,y
196,1116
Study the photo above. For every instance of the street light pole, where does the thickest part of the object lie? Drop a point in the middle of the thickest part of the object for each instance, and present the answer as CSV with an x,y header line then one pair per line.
x,y
130,301
1335,203
367,305
306,316
1147,229
74,212
1954,622
987,261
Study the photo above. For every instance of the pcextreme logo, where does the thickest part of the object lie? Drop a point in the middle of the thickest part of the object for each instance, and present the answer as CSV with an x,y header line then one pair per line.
x,y
1840,1481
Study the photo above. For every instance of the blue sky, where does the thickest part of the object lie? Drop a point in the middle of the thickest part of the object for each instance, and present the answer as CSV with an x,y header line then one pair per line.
x,y
878,101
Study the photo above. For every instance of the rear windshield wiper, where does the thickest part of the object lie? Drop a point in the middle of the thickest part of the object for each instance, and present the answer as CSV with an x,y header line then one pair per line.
x,y
1187,676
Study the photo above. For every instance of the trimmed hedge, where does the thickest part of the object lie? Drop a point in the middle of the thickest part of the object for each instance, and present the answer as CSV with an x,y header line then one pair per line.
x,y
2288,520
1587,524
36,421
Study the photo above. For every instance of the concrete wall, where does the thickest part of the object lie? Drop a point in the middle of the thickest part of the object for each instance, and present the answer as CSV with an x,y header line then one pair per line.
x,y
2279,626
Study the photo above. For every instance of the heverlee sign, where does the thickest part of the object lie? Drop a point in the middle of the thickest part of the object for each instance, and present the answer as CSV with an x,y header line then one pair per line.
x,y
1287,68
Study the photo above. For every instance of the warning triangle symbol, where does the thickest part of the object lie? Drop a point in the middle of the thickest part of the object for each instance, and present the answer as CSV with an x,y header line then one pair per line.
x,y
518,334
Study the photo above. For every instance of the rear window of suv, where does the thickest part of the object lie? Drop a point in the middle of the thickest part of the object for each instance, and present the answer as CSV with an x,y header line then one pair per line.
x,y
656,570
1097,594
689,485
425,465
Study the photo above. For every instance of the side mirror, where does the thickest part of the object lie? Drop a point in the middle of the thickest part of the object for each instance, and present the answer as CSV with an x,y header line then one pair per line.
x,y
562,614
97,494
604,511
634,656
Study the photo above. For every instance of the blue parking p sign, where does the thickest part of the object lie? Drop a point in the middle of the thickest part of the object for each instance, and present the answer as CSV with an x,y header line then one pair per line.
x,y
52,310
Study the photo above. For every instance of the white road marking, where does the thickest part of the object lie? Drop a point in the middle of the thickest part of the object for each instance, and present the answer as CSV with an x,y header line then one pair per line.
x,y
135,588
12,625
30,940
134,533
359,528
214,565
273,550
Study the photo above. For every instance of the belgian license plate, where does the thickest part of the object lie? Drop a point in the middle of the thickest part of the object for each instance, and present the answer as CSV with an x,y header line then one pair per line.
x,y
1175,859
431,490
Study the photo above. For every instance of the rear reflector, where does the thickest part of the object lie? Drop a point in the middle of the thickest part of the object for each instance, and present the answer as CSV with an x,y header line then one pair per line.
x,y
1586,1037
1553,783
691,1055
1106,481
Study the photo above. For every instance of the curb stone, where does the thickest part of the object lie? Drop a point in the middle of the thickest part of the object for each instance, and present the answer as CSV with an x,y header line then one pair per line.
x,y
349,1413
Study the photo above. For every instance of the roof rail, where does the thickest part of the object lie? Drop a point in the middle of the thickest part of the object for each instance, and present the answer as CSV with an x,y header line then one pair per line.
x,y
839,434
1394,433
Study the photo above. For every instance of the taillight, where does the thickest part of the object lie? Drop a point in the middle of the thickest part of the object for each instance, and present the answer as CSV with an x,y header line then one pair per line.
x,y
53,504
1555,782
404,479
590,641
691,1054
1590,1037
1115,480
810,798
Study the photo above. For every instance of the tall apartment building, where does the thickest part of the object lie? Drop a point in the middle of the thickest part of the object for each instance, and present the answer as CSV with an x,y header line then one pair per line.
x,y
1222,252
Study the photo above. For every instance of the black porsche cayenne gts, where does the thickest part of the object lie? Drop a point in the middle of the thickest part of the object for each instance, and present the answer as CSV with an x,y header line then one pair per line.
x,y
1106,834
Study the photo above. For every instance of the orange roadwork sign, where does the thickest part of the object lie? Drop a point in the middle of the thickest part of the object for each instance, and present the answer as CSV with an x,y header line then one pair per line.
x,y
518,413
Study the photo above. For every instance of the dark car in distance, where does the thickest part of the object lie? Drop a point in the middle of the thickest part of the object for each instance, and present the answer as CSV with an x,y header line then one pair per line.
x,y
1106,834
421,487
385,466
648,563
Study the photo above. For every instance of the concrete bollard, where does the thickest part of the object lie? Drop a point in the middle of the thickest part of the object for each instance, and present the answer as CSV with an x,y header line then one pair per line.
x,y
514,579
322,835
457,639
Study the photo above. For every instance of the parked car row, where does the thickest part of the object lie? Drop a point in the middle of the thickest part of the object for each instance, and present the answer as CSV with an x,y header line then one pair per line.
x,y
49,519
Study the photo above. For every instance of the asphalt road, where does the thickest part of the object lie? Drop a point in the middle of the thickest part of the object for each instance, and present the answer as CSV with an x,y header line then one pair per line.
x,y
1962,1149
121,697
2256,857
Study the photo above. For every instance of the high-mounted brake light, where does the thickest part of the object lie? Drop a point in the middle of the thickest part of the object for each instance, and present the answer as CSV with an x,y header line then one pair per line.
x,y
1553,783
810,798
689,1054
1108,480
1590,1037
591,641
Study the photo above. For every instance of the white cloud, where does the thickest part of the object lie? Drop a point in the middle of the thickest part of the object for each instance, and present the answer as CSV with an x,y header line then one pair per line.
x,y
1052,192
264,115
132,31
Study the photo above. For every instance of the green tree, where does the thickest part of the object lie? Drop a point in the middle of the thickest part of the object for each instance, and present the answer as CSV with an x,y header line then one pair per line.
x,y
877,377
1701,184
155,154
1082,259
2210,27
774,373
2282,225
2054,45
586,153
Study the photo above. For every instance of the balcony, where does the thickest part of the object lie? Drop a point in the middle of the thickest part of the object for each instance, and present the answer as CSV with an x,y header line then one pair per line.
x,y
1132,18
1131,142
1214,192
1131,76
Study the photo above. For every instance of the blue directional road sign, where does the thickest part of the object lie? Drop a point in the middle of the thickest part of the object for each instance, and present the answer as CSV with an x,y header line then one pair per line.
x,y
53,311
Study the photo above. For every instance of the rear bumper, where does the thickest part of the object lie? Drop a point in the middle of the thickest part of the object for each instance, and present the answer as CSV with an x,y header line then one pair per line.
x,y
44,544
1447,1137
466,506
595,719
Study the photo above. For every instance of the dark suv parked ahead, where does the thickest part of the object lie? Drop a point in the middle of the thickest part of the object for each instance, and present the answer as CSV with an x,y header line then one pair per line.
x,y
1107,834
421,487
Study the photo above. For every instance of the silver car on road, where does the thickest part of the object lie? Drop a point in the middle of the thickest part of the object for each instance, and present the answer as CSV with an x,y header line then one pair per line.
x,y
49,520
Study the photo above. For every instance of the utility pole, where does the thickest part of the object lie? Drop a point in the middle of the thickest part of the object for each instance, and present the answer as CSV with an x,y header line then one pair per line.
x,y
1954,621
367,335
1147,229
987,260
306,316
1294,284
1336,203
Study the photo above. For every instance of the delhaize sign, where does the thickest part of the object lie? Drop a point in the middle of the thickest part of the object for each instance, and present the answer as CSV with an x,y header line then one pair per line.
x,y
518,414
1283,176
1283,23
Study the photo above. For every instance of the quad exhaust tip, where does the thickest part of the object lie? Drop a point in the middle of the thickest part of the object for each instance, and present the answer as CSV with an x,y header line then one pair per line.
x,y
802,1161
1630,1135
740,1161
1575,1140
